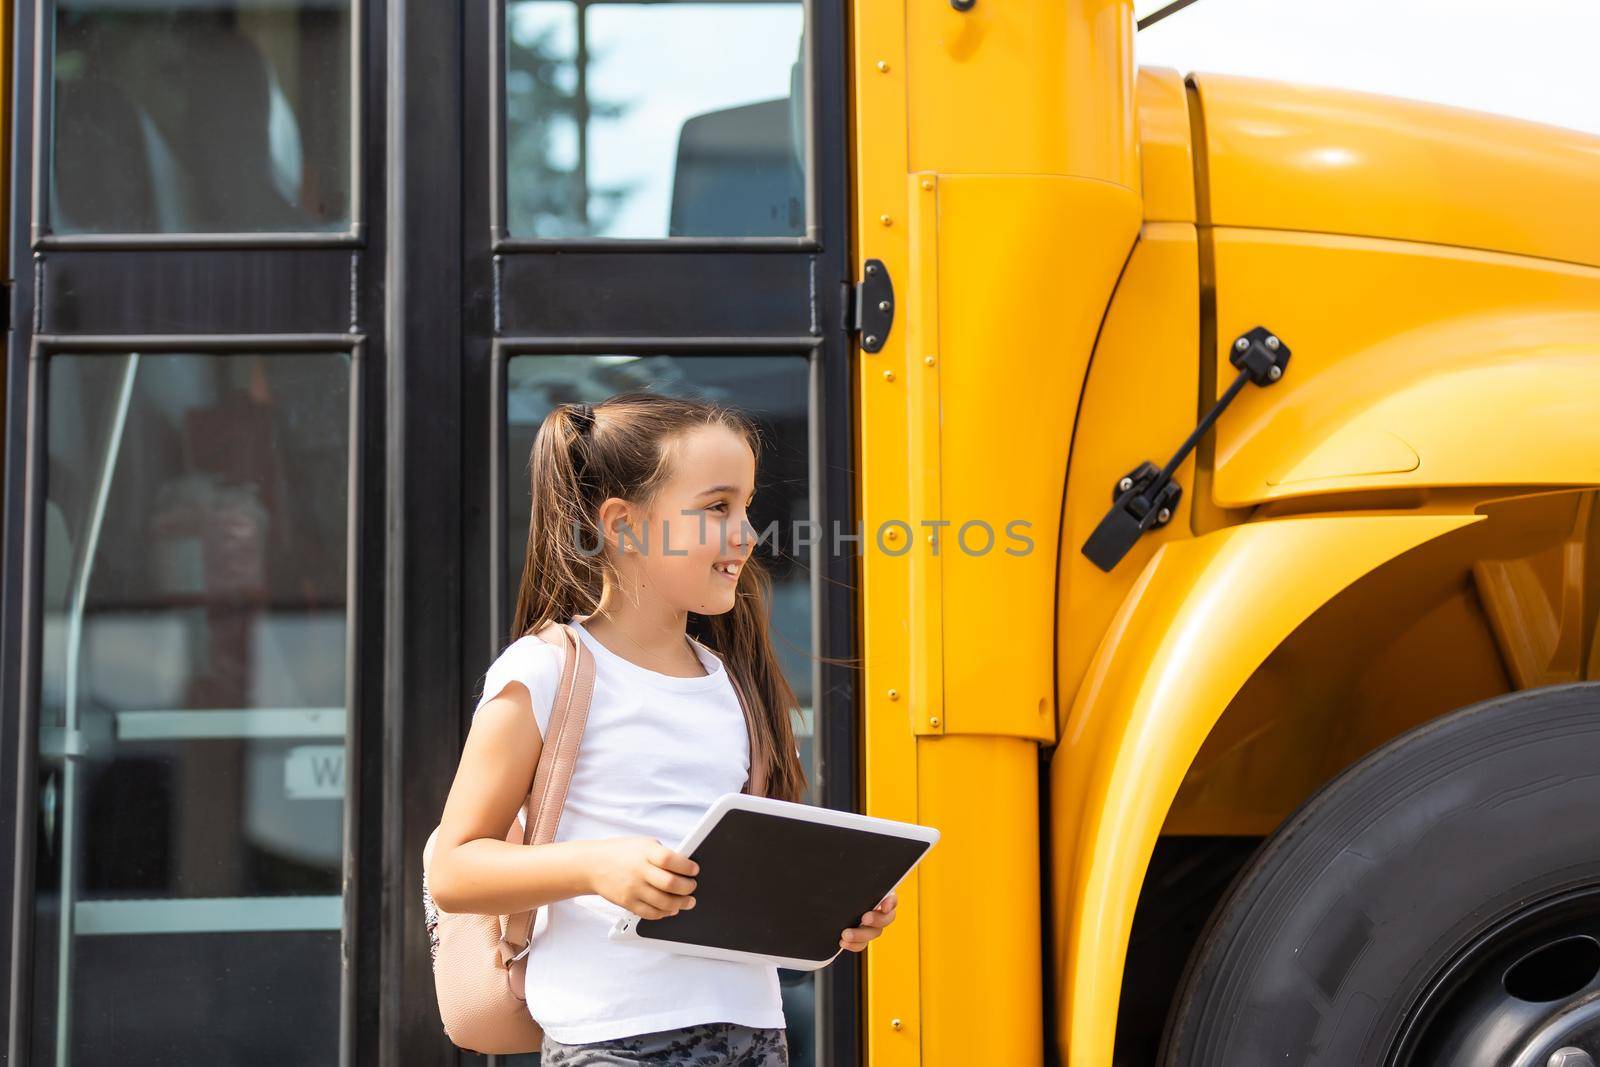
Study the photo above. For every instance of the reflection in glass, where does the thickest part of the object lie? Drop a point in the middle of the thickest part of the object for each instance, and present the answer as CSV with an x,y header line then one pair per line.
x,y
213,116
648,120
773,391
192,715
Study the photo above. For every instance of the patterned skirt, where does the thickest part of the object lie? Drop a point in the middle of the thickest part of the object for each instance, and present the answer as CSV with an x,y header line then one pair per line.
x,y
701,1045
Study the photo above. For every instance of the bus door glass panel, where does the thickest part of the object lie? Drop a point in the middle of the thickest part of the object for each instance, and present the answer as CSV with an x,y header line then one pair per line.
x,y
655,120
217,116
773,390
192,719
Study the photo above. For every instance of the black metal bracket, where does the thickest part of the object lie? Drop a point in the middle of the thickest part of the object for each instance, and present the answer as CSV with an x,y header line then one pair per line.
x,y
873,316
1147,497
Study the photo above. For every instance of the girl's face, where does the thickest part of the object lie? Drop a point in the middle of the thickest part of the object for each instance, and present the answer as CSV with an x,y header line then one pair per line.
x,y
698,535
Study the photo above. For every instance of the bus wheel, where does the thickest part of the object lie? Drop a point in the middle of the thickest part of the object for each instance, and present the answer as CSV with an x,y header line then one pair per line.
x,y
1436,903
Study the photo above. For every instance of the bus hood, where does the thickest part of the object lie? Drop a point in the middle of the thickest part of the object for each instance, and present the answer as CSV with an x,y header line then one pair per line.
x,y
1292,157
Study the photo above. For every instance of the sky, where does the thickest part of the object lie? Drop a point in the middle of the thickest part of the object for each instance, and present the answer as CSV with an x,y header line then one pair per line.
x,y
1534,59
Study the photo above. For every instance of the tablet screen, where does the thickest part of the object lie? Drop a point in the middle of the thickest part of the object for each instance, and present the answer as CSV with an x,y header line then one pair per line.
x,y
784,887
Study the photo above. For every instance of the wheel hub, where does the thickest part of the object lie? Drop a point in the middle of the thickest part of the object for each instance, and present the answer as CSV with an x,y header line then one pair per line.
x,y
1526,993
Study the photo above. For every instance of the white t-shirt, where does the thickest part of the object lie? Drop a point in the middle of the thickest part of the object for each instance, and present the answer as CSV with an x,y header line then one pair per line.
x,y
657,750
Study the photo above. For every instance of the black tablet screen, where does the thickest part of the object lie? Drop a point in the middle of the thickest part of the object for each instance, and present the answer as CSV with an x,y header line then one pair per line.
x,y
784,887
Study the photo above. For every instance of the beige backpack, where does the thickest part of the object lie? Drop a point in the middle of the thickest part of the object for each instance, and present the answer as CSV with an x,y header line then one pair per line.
x,y
480,961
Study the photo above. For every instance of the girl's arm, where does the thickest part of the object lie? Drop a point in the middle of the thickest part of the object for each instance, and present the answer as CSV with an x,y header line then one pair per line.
x,y
476,871
474,868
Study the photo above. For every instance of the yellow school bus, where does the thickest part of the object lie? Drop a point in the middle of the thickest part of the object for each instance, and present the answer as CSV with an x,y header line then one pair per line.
x,y
1185,483
1264,638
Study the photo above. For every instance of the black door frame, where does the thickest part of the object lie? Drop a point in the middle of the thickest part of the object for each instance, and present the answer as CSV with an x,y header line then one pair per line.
x,y
424,295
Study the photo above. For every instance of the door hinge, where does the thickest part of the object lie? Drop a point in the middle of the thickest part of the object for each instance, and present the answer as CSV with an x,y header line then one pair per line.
x,y
869,309
1147,497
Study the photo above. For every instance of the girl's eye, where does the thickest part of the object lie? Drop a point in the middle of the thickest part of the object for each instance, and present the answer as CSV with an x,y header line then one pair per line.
x,y
719,504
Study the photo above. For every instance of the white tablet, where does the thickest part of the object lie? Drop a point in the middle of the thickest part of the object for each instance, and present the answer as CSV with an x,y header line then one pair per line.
x,y
779,882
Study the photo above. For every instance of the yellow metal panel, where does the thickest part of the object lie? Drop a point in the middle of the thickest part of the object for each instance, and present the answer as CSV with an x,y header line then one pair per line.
x,y
1413,365
1041,122
1023,87
980,946
924,472
1295,157
889,749
1200,619
1153,320
1405,644
1166,153
1015,333
1545,609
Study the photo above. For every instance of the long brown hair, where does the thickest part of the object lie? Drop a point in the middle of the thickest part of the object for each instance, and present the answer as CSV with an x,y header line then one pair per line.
x,y
627,452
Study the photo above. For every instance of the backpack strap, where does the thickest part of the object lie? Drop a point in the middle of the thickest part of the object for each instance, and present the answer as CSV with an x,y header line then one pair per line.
x,y
541,811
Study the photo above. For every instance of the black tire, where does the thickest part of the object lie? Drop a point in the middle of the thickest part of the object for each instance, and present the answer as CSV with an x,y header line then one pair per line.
x,y
1334,942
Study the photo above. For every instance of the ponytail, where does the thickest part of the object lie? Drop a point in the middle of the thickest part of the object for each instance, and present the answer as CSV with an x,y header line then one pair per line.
x,y
563,563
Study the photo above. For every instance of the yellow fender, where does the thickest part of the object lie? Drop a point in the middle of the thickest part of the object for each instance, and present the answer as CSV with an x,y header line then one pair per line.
x,y
1493,398
1199,620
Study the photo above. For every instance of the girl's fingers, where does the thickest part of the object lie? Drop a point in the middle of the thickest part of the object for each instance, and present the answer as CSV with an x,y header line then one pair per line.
x,y
855,938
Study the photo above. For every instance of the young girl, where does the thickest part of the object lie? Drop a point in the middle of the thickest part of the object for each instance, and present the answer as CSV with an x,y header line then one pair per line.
x,y
639,519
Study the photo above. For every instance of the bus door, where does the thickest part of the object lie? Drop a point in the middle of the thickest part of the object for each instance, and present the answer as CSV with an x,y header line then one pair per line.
x,y
654,199
294,283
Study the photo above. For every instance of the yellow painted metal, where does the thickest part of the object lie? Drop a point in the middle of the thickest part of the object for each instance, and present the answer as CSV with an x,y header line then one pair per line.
x,y
981,957
995,175
1166,151
892,1031
1000,177
1026,87
1413,365
1202,616
1406,643
924,472
1112,438
1295,157
1026,267
1545,607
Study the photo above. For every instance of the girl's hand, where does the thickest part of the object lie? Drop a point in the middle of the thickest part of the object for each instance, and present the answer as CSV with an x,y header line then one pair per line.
x,y
872,923
641,875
